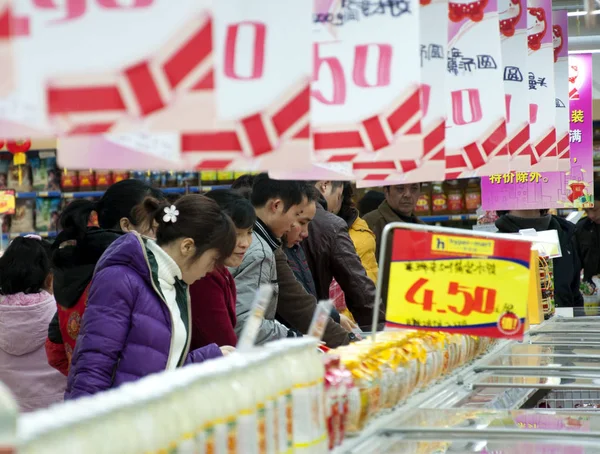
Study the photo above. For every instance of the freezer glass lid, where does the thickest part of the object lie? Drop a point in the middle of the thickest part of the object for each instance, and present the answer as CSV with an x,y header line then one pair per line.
x,y
486,431
569,339
591,329
550,380
555,362
551,350
481,419
394,443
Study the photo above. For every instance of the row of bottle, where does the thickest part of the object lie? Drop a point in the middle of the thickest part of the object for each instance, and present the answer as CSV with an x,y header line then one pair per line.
x,y
449,197
268,400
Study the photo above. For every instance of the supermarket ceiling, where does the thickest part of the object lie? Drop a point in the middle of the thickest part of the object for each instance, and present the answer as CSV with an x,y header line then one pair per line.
x,y
584,23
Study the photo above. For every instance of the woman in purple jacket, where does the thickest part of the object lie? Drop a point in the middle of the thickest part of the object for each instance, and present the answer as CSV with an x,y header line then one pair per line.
x,y
138,317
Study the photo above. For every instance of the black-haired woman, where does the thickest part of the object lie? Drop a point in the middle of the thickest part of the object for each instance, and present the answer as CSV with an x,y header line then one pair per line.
x,y
78,248
138,318
26,307
214,296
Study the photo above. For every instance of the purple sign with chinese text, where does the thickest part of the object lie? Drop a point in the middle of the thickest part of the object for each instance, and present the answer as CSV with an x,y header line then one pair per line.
x,y
574,189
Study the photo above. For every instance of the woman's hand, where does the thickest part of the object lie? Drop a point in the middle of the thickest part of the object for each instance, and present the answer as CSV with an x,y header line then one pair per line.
x,y
227,349
347,324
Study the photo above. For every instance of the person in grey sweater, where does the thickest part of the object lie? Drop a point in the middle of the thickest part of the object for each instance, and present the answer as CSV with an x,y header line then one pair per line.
x,y
278,204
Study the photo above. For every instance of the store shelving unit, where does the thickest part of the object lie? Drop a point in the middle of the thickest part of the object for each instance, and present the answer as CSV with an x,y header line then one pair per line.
x,y
448,218
93,194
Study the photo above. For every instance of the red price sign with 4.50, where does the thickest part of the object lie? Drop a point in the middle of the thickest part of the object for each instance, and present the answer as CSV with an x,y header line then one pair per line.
x,y
463,284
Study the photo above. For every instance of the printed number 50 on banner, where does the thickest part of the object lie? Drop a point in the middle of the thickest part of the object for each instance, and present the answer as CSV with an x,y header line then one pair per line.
x,y
461,284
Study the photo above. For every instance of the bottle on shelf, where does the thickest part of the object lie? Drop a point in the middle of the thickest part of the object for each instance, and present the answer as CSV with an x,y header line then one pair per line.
x,y
456,197
439,199
208,178
225,177
423,207
473,195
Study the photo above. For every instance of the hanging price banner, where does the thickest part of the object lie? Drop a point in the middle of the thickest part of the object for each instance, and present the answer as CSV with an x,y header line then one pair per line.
x,y
433,35
7,202
448,282
513,36
560,44
540,76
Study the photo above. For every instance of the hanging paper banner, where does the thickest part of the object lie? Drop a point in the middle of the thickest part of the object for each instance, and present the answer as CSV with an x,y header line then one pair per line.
x,y
560,45
366,103
431,167
254,114
513,36
262,95
573,189
476,122
541,86
145,77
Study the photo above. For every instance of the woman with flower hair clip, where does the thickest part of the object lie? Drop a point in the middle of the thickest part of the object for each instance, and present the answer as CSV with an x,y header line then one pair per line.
x,y
138,319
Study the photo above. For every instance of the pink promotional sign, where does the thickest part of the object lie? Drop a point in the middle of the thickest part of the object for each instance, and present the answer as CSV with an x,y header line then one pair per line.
x,y
513,35
476,120
573,189
431,167
366,105
540,64
560,45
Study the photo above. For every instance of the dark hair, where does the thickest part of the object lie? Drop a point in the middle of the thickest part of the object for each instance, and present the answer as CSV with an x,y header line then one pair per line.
x,y
543,212
370,202
243,185
596,190
348,211
236,206
265,189
117,202
311,193
24,266
243,182
200,219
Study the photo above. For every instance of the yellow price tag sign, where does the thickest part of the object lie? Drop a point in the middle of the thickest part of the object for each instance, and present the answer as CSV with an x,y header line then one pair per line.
x,y
7,202
463,284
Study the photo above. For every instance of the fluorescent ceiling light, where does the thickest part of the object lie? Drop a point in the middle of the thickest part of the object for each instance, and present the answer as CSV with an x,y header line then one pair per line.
x,y
591,51
582,13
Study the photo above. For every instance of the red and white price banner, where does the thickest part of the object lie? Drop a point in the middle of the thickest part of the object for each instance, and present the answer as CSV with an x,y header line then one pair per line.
x,y
433,18
513,36
540,63
199,83
366,104
560,46
476,123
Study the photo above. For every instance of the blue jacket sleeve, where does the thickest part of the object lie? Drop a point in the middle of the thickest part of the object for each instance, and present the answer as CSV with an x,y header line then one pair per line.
x,y
103,334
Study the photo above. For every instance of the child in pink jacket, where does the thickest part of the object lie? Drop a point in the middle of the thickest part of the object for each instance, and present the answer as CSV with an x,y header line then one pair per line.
x,y
26,308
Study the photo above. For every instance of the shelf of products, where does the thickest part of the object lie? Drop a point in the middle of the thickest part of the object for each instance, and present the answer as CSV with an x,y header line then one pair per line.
x,y
449,218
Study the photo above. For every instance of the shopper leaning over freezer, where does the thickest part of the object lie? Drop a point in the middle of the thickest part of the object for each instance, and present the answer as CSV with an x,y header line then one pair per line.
x,y
138,319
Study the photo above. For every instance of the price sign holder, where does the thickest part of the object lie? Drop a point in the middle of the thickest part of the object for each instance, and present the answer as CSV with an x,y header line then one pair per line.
x,y
440,279
535,308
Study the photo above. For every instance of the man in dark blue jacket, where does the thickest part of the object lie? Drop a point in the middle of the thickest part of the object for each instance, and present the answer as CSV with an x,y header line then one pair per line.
x,y
567,268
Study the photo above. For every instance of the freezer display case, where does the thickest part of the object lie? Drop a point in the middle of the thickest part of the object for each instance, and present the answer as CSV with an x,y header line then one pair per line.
x,y
548,384
425,431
